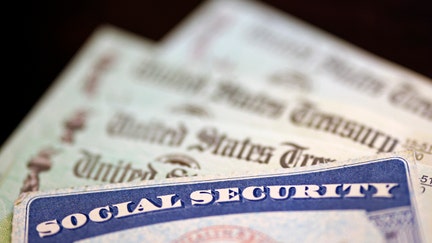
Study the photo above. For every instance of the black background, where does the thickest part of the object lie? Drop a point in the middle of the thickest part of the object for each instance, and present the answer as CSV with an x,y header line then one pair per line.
x,y
44,35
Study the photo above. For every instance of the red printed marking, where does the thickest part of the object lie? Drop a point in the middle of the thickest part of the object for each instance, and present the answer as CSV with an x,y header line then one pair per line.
x,y
224,233
203,40
92,80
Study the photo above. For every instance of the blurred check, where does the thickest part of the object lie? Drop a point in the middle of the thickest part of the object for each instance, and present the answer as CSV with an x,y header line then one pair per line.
x,y
256,41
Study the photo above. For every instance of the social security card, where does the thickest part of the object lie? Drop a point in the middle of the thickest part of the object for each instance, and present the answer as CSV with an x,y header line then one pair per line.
x,y
367,200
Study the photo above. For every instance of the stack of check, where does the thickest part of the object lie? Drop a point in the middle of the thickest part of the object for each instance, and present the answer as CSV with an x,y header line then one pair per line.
x,y
243,125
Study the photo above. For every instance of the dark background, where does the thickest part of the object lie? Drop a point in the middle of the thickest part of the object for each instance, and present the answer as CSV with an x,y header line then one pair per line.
x,y
44,35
